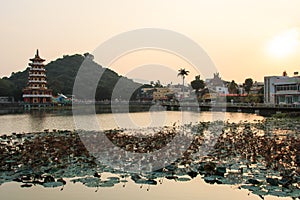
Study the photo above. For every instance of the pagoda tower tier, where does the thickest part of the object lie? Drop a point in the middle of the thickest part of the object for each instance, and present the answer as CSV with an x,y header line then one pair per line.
x,y
36,91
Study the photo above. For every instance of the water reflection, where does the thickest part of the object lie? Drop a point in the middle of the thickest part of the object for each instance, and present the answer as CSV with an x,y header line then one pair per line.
x,y
262,157
37,119
63,119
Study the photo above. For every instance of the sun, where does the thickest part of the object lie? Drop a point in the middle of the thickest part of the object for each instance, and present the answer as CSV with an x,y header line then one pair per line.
x,y
284,43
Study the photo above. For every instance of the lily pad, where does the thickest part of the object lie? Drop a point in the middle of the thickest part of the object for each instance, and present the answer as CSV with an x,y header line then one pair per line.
x,y
251,187
210,179
295,193
260,192
26,185
106,184
92,184
183,179
114,179
53,184
278,193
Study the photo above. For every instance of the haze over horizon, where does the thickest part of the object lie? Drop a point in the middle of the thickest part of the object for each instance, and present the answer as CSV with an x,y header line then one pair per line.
x,y
243,38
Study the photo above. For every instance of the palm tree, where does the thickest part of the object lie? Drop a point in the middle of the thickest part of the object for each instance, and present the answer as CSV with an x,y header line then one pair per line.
x,y
183,73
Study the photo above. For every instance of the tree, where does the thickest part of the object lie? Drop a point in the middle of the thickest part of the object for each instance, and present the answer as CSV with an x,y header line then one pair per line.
x,y
152,83
158,84
182,72
7,88
89,56
233,87
284,73
248,84
61,75
261,95
197,84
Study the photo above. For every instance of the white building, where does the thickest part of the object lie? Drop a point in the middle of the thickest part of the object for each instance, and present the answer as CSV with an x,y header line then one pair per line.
x,y
217,84
221,90
177,90
281,89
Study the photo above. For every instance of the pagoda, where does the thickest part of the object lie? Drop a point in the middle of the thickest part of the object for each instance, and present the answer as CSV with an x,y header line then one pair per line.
x,y
36,91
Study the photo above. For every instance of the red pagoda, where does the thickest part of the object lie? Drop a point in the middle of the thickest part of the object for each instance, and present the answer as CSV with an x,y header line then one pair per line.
x,y
36,91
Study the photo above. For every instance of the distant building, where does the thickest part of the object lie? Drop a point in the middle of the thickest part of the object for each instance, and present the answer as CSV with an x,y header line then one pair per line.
x,y
146,94
164,93
7,100
161,93
62,99
208,95
256,88
241,89
221,90
282,89
36,91
217,84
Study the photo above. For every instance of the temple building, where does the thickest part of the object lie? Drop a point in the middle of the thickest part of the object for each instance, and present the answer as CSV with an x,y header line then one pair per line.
x,y
36,91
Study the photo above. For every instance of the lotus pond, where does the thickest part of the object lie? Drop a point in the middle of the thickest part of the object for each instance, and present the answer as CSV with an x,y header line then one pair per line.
x,y
259,156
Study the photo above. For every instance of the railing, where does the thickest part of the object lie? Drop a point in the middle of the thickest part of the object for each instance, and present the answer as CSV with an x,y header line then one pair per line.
x,y
37,63
39,75
37,87
242,105
37,81
36,95
37,69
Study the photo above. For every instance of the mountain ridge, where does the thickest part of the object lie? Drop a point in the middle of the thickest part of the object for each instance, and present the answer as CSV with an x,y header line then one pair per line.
x,y
61,74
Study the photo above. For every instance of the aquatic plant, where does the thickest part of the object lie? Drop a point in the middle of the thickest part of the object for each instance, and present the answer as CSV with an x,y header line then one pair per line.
x,y
262,157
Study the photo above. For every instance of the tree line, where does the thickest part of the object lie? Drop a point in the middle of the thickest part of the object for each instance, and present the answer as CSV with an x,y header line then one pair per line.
x,y
61,75
233,88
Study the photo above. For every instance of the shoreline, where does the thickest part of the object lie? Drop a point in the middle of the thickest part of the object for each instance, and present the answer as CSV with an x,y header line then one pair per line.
x,y
121,107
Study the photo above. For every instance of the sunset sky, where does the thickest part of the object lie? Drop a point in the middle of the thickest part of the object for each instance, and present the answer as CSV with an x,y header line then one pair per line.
x,y
243,38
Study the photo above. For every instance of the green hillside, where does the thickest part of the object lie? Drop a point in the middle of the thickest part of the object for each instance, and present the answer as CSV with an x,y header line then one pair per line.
x,y
61,74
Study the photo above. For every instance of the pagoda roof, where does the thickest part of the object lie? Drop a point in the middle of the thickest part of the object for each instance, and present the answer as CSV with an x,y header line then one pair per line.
x,y
37,57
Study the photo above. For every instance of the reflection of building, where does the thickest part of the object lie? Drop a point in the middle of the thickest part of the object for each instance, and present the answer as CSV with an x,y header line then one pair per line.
x,y
36,91
282,89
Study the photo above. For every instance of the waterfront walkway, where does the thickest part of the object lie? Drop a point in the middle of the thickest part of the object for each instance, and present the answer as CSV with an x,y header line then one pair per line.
x,y
258,108
135,106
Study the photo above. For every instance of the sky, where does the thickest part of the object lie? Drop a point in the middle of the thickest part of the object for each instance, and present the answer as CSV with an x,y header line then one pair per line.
x,y
244,38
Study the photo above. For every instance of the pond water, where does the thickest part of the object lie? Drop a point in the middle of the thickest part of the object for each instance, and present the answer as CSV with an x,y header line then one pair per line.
x,y
196,188
39,120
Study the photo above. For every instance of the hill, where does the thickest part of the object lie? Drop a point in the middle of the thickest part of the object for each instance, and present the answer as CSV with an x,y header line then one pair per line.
x,y
61,75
